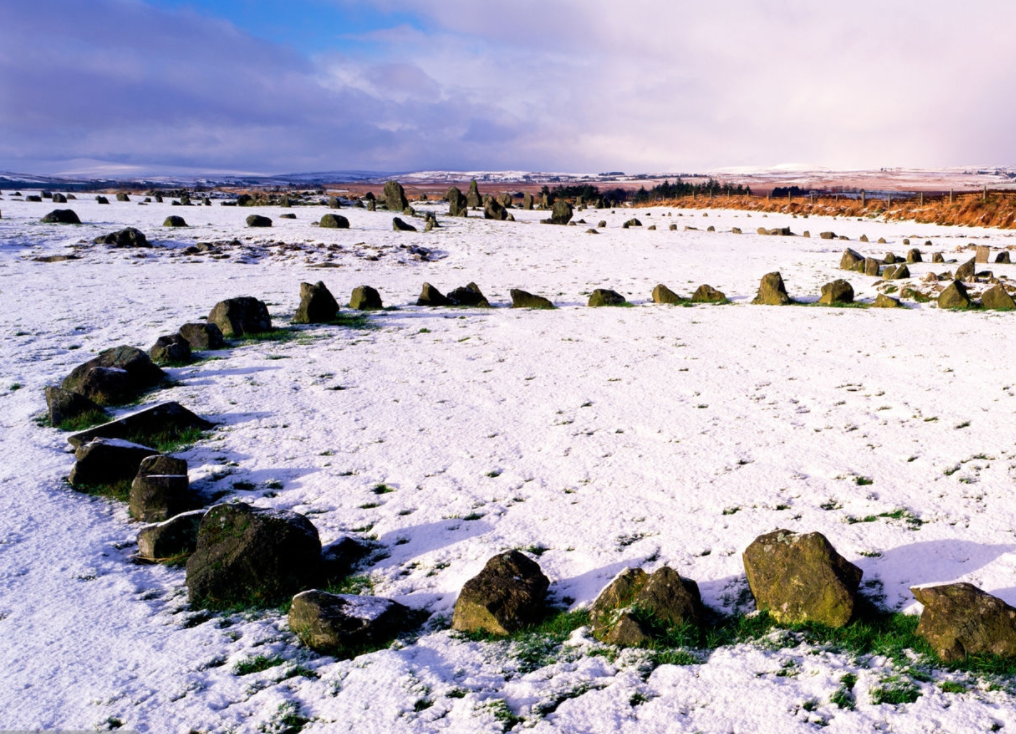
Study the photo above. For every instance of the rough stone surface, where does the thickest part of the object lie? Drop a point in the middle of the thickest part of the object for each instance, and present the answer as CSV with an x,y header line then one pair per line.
x,y
107,461
508,594
173,538
202,336
836,292
982,253
473,198
914,255
395,197
1003,257
174,221
605,297
872,266
61,216
170,349
966,270
334,221
852,260
431,296
365,298
160,420
707,294
628,609
240,316
336,623
663,294
522,299
997,298
954,296
340,557
801,578
470,295
457,206
561,213
398,225
317,305
884,301
257,220
896,272
960,620
64,405
158,497
771,291
114,376
246,555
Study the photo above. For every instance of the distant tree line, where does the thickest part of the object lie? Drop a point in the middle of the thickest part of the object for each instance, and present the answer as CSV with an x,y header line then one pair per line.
x,y
665,190
781,191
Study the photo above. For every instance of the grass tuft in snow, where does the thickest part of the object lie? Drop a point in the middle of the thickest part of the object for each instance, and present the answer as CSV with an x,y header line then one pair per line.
x,y
257,664
118,490
84,421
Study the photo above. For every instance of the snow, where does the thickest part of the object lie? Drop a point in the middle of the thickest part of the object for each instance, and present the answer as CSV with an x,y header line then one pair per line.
x,y
608,437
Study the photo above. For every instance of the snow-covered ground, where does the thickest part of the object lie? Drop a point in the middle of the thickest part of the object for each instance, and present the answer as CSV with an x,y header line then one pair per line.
x,y
609,437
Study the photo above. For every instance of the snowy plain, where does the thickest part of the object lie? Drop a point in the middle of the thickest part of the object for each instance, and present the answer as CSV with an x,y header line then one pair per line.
x,y
606,438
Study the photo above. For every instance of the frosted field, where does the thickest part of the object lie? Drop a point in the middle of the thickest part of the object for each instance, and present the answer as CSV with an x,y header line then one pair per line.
x,y
608,437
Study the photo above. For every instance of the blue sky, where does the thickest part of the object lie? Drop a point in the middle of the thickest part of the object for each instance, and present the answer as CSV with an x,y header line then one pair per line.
x,y
263,86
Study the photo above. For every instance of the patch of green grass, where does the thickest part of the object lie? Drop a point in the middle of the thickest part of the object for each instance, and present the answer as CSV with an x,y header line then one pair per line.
x,y
731,510
84,421
370,505
287,720
120,490
356,320
494,474
381,489
423,331
863,481
964,424
15,386
356,585
282,334
256,664
843,697
243,485
170,440
949,686
895,690
503,714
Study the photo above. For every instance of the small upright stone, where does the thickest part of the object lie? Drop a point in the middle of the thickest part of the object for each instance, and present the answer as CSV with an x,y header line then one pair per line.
x,y
914,255
170,349
663,294
997,298
202,336
872,266
561,213
771,291
470,295
852,260
605,297
966,270
365,298
457,206
982,253
398,225
317,305
1003,258
431,296
240,316
473,198
158,497
508,594
707,294
334,221
836,292
395,197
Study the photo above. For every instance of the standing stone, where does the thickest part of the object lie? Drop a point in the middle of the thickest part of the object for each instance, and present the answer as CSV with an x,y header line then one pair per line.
x,y
64,405
890,259
521,299
982,253
800,578
938,257
837,292
493,210
334,203
1003,257
771,291
170,349
431,296
202,336
707,294
470,295
663,294
997,298
334,221
662,599
852,260
457,206
966,270
337,623
122,197
508,594
871,266
505,200
251,556
400,226
395,197
240,316
960,620
473,198
158,497
365,298
561,213
914,255
527,201
605,297
896,272
317,305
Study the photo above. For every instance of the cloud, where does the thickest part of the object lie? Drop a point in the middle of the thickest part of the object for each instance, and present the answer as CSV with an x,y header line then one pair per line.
x,y
642,86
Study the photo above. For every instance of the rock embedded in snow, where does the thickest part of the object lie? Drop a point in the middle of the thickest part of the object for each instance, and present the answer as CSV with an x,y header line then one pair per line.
x,y
800,578
365,298
938,257
395,197
884,301
473,198
522,299
317,304
158,497
954,296
173,538
890,259
431,296
101,200
960,619
1003,258
339,558
61,216
122,197
469,295
836,292
457,206
663,294
170,349
506,595
174,221
982,253
492,209
107,462
341,623
914,255
59,199
628,609
400,226
707,294
896,272
827,235
772,291
966,270
334,221
65,405
560,213
202,336
248,555
240,316
126,237
257,220
997,298
872,266
163,420
605,297
852,260
333,202
602,224
114,376
633,222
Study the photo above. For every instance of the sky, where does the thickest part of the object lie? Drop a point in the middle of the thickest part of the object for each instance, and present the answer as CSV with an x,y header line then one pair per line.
x,y
262,86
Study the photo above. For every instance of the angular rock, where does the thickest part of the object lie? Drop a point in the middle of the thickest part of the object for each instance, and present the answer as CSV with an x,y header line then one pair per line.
x,y
61,216
122,197
633,222
240,316
605,297
628,609
177,536
400,226
107,462
333,203
800,578
997,298
287,216
561,213
395,197
836,292
527,201
101,200
522,299
59,199
663,294
252,556
317,305
470,295
365,298
174,221
127,237
938,257
257,220
473,198
65,405
162,464
771,291
707,294
334,221
508,594
158,497
431,296
890,259
827,235
852,260
896,272
966,270
493,210
960,619
161,421
170,349
337,623
954,296
457,206
872,266
340,557
602,224
914,255
114,375
1003,257
202,336
884,301
505,200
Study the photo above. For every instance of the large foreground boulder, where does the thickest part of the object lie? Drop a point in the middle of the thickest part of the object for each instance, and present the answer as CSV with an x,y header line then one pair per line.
x,y
170,349
65,405
960,620
365,298
240,316
707,294
173,538
201,336
836,293
127,237
801,578
852,260
771,291
605,297
997,298
395,197
317,305
431,296
251,556
635,605
107,462
663,294
156,423
508,594
334,221
338,623
522,299
954,296
61,216
116,375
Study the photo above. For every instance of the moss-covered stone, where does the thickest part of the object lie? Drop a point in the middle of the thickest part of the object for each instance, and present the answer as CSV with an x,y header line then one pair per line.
x,y
317,305
663,294
954,296
505,596
960,620
605,297
836,293
772,291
